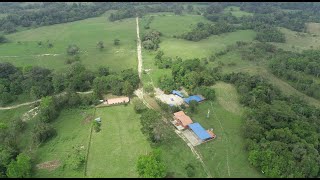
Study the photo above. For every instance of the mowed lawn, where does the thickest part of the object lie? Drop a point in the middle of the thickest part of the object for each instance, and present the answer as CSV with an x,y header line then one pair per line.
x,y
23,49
72,133
115,149
224,156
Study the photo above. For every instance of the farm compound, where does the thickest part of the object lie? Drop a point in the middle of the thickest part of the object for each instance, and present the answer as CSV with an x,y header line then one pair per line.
x,y
194,132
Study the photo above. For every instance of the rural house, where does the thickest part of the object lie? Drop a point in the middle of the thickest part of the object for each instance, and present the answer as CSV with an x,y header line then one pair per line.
x,y
182,120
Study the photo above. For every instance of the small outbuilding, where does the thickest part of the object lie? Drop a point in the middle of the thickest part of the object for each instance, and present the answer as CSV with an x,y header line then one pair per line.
x,y
119,100
178,93
197,98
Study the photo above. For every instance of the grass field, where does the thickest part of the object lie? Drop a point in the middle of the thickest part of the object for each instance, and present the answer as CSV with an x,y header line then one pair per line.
x,y
313,28
235,11
170,24
225,156
115,149
300,41
72,133
85,33
188,49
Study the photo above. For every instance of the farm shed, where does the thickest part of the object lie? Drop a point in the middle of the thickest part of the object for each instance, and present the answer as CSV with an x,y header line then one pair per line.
x,y
117,100
197,98
200,131
182,119
178,93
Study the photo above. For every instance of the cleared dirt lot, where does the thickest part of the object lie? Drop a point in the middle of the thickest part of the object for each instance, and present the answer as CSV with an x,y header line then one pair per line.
x,y
168,98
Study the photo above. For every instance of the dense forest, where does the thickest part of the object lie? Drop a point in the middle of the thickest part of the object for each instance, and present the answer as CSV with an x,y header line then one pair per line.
x,y
301,69
282,132
40,82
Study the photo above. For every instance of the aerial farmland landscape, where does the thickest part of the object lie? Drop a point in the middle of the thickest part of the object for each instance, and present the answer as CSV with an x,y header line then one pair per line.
x,y
159,89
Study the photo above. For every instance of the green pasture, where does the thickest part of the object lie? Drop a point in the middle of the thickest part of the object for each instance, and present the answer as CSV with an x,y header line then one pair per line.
x,y
115,149
23,48
235,11
72,133
225,156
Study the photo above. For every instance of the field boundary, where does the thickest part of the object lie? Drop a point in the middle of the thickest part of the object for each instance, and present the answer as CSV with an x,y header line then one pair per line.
x,y
89,143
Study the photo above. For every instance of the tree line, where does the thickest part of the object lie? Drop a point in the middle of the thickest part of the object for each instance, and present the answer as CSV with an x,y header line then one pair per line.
x,y
39,82
300,70
144,8
202,31
49,13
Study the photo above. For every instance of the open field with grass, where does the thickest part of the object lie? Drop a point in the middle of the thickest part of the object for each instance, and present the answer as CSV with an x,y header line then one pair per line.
x,y
259,68
115,149
170,24
23,49
225,156
177,155
313,28
296,41
188,49
235,11
72,133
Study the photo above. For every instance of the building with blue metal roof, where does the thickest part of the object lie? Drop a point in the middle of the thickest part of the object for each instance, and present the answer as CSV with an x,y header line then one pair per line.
x,y
197,98
178,93
199,131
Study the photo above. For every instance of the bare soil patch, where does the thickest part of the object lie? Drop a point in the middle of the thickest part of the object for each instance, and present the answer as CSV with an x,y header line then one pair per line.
x,y
49,165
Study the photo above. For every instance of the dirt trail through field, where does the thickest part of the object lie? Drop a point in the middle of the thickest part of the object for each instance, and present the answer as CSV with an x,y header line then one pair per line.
x,y
139,93
32,102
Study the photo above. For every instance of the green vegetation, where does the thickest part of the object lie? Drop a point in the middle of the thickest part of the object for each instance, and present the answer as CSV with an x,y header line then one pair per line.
x,y
225,156
271,116
150,166
235,11
23,49
115,149
20,168
73,128
188,49
256,65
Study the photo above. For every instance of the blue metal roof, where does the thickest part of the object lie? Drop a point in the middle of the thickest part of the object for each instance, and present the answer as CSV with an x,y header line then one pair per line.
x,y
177,93
194,97
199,131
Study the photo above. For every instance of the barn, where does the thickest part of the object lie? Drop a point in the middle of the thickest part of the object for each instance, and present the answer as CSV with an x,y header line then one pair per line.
x,y
197,98
178,93
200,132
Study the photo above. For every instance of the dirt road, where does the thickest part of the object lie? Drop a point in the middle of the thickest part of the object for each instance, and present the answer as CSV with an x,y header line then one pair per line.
x,y
139,49
32,102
